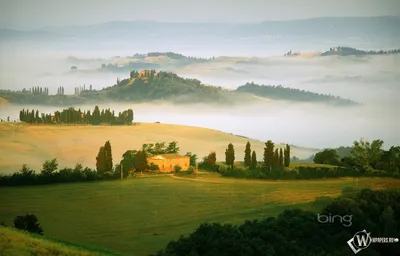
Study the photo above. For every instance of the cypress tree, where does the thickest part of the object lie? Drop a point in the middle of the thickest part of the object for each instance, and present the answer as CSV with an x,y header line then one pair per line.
x,y
101,161
108,156
253,160
96,115
37,117
247,155
281,161
230,155
269,153
287,155
276,157
21,115
32,118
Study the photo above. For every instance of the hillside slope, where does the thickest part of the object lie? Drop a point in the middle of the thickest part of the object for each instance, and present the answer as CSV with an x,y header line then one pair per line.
x,y
70,144
17,243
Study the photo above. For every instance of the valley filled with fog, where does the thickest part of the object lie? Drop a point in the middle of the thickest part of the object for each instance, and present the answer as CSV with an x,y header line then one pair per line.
x,y
372,81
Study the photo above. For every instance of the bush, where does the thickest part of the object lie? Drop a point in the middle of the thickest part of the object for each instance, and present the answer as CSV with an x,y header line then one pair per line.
x,y
154,167
190,170
28,223
177,168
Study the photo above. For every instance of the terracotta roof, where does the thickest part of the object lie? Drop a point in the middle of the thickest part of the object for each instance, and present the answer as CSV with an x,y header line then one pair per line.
x,y
167,156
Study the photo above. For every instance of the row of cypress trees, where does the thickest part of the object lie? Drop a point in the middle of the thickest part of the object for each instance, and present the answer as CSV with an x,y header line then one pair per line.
x,y
73,116
272,157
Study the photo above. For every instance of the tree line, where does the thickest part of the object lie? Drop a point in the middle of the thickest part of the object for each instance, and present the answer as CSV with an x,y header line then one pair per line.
x,y
363,155
37,90
274,159
298,232
80,89
286,93
344,51
60,90
367,159
73,116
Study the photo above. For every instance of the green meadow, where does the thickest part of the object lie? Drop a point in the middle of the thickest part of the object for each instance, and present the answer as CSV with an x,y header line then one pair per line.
x,y
138,216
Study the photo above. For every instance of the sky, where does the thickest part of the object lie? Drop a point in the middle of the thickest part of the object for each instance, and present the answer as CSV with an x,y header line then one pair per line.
x,y
33,14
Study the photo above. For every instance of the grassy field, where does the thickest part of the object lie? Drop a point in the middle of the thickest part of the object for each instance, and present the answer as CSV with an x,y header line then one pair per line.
x,y
18,243
71,144
138,216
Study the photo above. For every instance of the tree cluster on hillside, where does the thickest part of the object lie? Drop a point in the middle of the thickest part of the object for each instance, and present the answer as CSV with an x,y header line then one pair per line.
x,y
137,65
73,116
364,155
163,86
345,51
298,232
37,90
178,56
284,93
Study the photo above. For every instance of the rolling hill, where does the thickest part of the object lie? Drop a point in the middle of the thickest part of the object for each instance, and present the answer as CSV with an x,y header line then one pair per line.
x,y
71,144
17,243
147,86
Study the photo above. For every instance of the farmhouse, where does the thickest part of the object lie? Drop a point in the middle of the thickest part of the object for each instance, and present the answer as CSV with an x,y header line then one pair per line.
x,y
167,162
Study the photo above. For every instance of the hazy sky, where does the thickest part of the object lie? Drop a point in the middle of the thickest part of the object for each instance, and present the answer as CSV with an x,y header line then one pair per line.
x,y
25,14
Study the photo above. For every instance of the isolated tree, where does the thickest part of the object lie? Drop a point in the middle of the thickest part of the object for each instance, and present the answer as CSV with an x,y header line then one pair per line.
x,y
327,156
287,156
128,161
49,167
253,160
141,163
101,165
367,154
212,159
247,155
28,223
269,153
230,155
108,157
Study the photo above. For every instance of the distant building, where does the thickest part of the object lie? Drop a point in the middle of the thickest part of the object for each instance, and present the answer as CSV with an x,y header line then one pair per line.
x,y
167,162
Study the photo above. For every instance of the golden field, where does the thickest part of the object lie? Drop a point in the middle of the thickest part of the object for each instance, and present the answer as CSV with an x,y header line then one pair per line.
x,y
70,144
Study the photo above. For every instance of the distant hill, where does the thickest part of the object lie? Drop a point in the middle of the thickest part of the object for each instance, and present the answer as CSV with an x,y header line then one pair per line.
x,y
148,85
14,242
343,51
346,51
149,31
283,93
151,60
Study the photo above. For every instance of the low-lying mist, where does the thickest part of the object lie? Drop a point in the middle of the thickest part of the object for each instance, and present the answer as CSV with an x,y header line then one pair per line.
x,y
371,80
302,124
